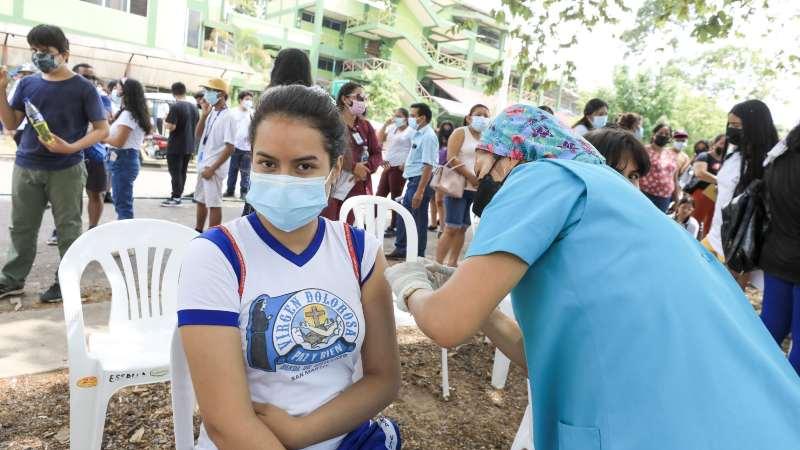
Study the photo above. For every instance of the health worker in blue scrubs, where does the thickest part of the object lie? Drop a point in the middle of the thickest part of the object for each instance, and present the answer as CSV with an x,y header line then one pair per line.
x,y
633,335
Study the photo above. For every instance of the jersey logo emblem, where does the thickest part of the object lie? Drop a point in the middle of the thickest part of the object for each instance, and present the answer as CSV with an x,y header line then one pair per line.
x,y
300,332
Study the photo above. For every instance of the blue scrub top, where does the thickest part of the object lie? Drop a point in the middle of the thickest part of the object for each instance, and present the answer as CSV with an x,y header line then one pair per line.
x,y
635,336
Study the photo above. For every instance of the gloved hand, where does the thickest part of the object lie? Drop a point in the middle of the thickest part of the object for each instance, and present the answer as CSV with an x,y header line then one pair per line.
x,y
438,274
405,278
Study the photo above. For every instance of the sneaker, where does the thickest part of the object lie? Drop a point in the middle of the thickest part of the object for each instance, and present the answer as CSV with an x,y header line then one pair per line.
x,y
396,255
51,295
228,194
8,291
171,202
107,198
53,239
243,196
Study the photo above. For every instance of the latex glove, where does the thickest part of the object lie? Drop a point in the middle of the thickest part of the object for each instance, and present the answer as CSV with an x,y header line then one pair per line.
x,y
438,274
405,278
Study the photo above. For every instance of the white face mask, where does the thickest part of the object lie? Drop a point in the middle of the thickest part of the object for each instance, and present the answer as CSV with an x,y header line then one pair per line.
x,y
679,145
248,104
412,122
479,123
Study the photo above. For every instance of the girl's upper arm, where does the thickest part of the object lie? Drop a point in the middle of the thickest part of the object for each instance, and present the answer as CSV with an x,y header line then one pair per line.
x,y
379,351
454,143
700,167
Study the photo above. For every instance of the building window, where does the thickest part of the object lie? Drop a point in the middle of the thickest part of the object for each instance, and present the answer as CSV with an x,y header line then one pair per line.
x,y
483,69
307,17
326,64
489,36
138,7
194,23
333,24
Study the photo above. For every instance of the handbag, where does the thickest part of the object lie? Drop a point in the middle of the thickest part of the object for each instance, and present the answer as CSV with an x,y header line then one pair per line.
x,y
449,182
744,224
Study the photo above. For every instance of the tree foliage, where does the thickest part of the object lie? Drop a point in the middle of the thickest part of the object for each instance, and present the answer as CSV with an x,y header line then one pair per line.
x,y
381,88
248,49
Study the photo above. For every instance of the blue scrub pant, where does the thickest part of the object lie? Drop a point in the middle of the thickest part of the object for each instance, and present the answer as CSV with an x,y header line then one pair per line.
x,y
781,313
420,217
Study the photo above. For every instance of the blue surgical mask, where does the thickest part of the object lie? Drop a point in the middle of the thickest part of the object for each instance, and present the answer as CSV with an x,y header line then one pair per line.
x,y
399,122
479,123
287,202
44,61
212,97
412,122
599,121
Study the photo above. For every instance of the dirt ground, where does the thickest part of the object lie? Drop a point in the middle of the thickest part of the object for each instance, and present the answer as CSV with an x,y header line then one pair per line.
x,y
34,409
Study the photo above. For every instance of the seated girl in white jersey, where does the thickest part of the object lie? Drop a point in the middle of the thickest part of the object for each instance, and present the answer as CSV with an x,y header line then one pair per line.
x,y
279,310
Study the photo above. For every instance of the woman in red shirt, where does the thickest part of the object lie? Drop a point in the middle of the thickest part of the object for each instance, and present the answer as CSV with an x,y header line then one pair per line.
x,y
364,155
660,185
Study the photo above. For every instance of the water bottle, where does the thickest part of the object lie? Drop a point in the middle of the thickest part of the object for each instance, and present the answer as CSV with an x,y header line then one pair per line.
x,y
365,156
37,121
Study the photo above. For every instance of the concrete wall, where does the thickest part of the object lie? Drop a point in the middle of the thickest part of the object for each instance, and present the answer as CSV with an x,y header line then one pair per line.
x,y
76,15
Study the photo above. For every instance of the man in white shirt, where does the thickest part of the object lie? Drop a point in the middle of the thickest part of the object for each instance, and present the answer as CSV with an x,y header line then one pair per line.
x,y
241,158
395,135
216,132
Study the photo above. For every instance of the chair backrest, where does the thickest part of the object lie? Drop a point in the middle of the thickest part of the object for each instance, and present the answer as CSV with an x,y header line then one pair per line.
x,y
183,400
371,214
144,283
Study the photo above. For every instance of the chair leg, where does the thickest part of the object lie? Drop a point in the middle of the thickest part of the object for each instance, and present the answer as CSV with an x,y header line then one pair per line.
x,y
500,369
445,376
87,416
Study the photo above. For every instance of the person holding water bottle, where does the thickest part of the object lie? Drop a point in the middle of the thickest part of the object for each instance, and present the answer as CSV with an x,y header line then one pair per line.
x,y
364,155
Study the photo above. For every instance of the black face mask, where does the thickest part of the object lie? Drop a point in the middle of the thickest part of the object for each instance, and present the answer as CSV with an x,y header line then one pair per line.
x,y
734,136
661,140
487,188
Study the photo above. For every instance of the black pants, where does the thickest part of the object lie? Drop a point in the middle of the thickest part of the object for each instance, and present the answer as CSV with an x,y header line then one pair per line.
x,y
178,165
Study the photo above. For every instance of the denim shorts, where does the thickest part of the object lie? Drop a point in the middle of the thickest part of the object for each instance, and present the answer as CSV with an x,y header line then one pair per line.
x,y
457,210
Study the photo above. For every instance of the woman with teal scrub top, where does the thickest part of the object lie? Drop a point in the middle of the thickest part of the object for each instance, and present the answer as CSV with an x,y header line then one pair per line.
x,y
633,335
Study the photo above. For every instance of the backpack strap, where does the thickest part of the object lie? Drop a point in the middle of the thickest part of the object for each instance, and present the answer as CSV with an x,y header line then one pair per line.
x,y
355,248
222,237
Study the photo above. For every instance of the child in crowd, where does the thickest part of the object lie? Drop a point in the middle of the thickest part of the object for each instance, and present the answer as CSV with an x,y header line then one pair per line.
x,y
286,317
622,151
683,215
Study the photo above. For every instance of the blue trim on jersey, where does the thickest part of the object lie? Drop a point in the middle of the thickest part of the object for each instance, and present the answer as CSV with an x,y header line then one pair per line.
x,y
207,317
358,242
298,260
218,237
369,275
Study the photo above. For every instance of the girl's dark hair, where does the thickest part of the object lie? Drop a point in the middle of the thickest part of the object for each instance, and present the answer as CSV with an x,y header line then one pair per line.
x,y
111,85
591,107
291,66
628,121
701,141
43,35
616,144
443,134
661,125
403,112
244,94
347,89
547,109
758,137
472,110
793,140
685,199
134,102
312,106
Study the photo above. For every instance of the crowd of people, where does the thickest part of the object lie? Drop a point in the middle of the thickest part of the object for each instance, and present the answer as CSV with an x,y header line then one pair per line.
x,y
286,314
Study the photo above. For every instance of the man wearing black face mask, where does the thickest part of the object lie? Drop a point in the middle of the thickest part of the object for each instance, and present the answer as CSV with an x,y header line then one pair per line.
x,y
48,171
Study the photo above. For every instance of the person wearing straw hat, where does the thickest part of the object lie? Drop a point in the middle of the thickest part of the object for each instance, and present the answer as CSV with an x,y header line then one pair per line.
x,y
216,132
617,358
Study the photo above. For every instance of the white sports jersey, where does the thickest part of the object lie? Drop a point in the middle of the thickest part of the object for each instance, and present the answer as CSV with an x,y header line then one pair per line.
x,y
300,316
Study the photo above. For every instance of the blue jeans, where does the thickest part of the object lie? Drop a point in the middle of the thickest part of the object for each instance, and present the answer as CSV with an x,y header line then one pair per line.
x,y
781,313
240,162
661,203
420,217
124,171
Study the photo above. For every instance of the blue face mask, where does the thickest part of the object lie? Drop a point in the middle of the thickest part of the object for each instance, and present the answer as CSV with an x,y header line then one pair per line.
x,y
640,133
287,202
479,123
44,61
599,121
412,122
212,97
399,122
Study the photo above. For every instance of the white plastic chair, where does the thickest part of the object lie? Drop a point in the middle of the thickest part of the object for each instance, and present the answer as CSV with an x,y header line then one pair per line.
x,y
370,213
142,316
524,437
501,361
183,399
